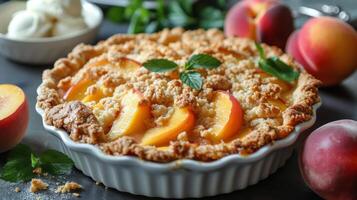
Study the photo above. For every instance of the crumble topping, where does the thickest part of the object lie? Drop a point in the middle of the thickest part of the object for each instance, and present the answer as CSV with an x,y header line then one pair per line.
x,y
272,108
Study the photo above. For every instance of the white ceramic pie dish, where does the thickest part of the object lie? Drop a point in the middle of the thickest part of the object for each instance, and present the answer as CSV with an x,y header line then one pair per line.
x,y
45,50
182,178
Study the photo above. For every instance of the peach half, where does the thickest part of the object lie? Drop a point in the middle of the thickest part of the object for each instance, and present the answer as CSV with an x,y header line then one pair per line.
x,y
267,21
181,120
14,116
228,118
326,47
134,113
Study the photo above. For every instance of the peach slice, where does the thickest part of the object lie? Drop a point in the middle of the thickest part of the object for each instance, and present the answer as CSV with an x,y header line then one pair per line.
x,y
14,116
124,65
131,121
181,120
78,90
228,119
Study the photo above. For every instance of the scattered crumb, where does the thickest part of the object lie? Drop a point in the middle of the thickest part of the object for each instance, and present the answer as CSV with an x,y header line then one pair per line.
x,y
37,185
37,170
68,187
76,194
38,198
17,189
97,183
45,174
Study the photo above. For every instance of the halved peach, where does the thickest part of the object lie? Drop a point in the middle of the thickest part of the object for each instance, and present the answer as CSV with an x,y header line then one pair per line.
x,y
131,120
228,119
14,116
181,120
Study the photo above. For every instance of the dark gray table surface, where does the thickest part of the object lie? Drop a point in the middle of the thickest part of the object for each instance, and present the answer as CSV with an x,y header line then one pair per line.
x,y
338,103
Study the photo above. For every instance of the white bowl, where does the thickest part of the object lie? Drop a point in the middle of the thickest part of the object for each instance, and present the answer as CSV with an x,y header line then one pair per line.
x,y
45,50
181,178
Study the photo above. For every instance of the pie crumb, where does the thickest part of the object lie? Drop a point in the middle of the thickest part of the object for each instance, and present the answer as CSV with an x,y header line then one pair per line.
x,y
97,183
68,187
76,194
17,189
37,170
37,185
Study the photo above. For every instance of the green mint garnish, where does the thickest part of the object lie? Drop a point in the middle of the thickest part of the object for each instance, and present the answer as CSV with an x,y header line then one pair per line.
x,y
202,61
160,65
22,161
189,76
192,79
276,67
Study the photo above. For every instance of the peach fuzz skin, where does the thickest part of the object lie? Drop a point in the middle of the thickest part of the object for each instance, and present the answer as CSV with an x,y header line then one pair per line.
x,y
257,20
329,54
328,161
14,121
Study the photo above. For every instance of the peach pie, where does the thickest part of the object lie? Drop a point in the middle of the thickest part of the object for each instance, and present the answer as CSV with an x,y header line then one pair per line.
x,y
177,94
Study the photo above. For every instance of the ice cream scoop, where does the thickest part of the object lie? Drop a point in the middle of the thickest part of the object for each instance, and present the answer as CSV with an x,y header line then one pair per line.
x,y
29,24
56,8
68,25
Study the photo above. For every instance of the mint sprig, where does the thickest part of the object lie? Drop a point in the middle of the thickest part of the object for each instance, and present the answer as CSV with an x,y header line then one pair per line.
x,y
160,65
192,79
22,161
202,61
189,76
275,66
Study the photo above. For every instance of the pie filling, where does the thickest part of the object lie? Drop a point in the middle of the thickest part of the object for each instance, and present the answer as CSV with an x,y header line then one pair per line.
x,y
109,99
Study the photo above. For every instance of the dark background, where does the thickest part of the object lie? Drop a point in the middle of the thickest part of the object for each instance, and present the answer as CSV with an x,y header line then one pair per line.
x,y
338,103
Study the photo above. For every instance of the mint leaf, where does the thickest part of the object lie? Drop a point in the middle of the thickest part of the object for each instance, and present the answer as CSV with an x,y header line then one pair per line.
x,y
192,79
18,166
279,69
260,50
55,162
17,170
35,161
179,13
202,61
160,65
115,14
211,17
276,67
21,162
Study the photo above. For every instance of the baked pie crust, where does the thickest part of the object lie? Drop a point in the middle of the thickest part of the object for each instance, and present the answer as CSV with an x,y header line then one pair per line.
x,y
111,69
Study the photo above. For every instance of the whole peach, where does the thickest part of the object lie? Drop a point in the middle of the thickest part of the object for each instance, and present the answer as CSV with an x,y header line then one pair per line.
x,y
327,49
328,160
266,21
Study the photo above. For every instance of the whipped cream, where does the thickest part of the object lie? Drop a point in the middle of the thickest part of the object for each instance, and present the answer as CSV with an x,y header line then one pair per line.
x,y
47,18
56,8
29,24
69,25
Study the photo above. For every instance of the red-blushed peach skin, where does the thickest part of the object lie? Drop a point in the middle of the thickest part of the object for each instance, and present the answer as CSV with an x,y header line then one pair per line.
x,y
266,21
275,26
12,126
328,160
292,48
329,47
239,22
